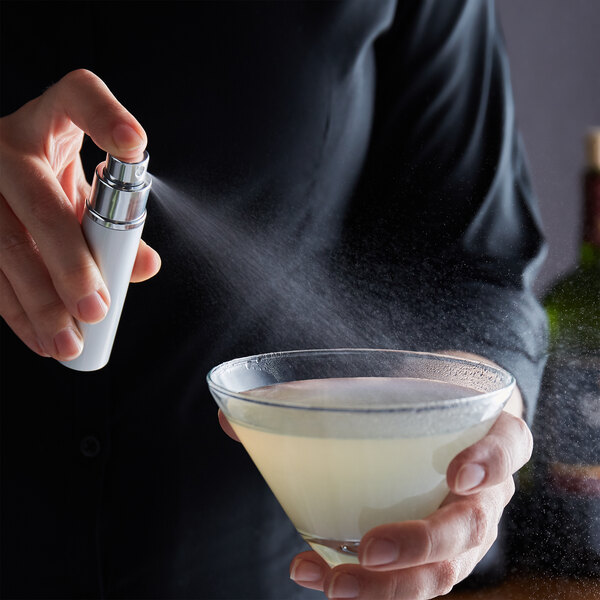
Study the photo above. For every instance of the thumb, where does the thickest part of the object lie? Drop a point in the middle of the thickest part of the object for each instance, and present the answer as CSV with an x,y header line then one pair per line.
x,y
83,98
493,459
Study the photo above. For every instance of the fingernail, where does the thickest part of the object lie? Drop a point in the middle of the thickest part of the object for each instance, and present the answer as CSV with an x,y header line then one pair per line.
x,y
343,585
126,137
379,551
68,343
469,477
306,570
92,308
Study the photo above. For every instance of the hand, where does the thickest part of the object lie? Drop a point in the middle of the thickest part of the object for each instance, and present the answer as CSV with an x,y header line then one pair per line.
x,y
418,560
47,274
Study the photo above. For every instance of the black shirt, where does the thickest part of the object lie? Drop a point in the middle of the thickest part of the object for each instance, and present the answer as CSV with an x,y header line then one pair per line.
x,y
328,174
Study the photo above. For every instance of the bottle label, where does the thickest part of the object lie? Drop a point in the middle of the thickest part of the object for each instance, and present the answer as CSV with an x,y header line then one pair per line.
x,y
581,480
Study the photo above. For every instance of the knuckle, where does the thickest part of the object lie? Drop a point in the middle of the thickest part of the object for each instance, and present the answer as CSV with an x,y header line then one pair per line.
x,y
48,317
15,242
503,458
525,433
396,586
78,279
48,212
102,120
506,491
480,525
511,489
78,77
425,541
50,311
448,574
520,440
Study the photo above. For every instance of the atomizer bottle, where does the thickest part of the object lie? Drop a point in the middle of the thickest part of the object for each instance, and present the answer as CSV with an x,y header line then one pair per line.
x,y
112,224
566,461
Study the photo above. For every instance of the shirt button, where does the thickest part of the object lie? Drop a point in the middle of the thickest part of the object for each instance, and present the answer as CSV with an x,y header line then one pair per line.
x,y
90,446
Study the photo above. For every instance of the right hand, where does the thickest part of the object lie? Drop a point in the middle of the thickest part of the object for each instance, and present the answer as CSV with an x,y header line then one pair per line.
x,y
48,277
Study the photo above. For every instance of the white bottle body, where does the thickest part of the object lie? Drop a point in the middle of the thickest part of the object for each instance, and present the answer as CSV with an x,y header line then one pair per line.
x,y
114,249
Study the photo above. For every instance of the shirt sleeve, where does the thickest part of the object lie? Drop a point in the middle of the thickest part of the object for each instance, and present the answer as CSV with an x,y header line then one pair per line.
x,y
445,200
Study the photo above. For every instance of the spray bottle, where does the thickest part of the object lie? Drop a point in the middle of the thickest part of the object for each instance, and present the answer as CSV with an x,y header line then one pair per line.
x,y
112,224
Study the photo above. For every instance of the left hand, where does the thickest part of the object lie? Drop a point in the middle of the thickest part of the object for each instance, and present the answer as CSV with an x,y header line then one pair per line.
x,y
423,559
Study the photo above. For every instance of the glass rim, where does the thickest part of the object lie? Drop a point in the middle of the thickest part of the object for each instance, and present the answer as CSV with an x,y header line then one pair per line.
x,y
507,379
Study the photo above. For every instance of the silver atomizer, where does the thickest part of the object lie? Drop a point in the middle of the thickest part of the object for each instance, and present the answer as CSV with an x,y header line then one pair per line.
x,y
112,224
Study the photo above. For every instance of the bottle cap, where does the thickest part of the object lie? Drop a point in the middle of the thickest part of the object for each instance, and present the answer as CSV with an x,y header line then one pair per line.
x,y
119,193
592,148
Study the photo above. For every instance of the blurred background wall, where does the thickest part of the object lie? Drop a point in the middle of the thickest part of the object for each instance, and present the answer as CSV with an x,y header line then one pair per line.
x,y
554,49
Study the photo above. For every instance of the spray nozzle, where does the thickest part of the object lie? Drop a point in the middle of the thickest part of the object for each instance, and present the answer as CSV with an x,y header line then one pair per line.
x,y
120,191
127,175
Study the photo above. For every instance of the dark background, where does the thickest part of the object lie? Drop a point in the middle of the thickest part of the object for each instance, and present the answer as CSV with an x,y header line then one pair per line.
x,y
554,50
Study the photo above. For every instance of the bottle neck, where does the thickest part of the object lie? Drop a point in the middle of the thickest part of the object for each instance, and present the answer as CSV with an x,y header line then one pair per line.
x,y
590,249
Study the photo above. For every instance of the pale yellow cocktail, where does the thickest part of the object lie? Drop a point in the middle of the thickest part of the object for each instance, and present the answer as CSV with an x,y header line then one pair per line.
x,y
345,454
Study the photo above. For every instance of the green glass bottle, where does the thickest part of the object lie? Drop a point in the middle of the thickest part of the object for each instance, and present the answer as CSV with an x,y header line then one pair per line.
x,y
573,303
566,461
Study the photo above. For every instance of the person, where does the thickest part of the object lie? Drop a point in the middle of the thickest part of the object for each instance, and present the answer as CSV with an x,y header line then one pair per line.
x,y
359,181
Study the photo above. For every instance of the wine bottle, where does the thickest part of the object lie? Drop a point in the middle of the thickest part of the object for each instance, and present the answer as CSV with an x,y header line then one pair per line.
x,y
566,463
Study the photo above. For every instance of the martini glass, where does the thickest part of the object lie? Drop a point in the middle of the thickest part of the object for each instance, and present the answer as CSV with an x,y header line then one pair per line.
x,y
348,439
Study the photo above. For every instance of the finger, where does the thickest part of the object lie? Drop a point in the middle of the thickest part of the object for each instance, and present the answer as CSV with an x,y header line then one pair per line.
x,y
74,184
39,201
309,570
147,263
226,426
502,452
416,583
84,99
461,524
32,289
16,318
